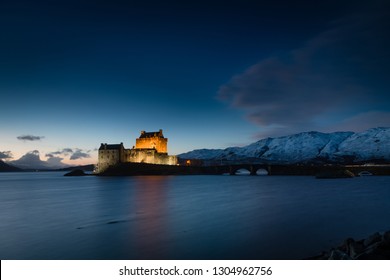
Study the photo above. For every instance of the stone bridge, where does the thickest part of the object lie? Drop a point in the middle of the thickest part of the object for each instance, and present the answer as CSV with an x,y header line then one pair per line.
x,y
297,169
252,168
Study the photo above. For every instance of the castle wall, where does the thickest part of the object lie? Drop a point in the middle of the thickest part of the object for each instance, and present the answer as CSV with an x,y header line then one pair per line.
x,y
158,143
149,156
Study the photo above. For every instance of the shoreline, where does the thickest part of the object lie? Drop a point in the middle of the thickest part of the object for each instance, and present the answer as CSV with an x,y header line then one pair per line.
x,y
326,171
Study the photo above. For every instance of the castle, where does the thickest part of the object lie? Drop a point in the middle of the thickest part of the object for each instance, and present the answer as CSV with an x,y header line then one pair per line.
x,y
150,147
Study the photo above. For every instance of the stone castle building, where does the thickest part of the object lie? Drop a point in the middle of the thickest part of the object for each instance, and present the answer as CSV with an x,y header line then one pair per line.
x,y
150,147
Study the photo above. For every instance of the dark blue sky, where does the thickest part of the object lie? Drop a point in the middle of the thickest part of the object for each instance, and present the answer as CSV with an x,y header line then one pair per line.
x,y
211,74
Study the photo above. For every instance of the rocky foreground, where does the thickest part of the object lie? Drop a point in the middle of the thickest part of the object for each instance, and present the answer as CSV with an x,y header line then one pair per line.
x,y
375,247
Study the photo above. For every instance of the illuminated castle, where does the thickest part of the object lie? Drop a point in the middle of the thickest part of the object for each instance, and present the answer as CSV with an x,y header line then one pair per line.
x,y
150,147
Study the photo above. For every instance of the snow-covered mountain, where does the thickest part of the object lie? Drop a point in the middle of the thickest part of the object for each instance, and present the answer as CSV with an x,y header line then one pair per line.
x,y
337,147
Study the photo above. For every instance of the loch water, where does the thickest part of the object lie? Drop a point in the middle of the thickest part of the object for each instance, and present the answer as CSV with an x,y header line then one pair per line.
x,y
44,215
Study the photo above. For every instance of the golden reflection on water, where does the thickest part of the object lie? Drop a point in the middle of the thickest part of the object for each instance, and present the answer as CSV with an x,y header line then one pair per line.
x,y
151,206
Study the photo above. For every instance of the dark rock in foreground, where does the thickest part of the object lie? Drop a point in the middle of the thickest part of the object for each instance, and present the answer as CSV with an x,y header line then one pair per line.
x,y
76,172
374,247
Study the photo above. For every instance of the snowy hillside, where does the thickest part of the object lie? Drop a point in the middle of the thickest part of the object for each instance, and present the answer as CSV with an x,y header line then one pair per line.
x,y
371,145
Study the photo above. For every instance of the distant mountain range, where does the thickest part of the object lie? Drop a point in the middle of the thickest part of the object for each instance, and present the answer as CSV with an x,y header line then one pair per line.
x,y
32,160
372,145
4,167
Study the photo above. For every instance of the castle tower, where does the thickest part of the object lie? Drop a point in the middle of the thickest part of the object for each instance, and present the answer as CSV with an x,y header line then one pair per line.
x,y
152,140
110,155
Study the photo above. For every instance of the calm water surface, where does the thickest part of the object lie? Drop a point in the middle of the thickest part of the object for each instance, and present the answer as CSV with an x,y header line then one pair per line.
x,y
48,216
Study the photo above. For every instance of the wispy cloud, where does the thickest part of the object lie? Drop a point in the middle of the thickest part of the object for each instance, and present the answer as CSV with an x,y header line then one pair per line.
x,y
364,121
79,154
30,138
55,162
74,154
334,77
6,155
67,151
64,152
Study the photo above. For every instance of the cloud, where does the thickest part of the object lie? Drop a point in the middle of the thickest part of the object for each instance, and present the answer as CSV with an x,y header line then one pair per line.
x,y
65,152
364,121
79,154
56,162
30,138
5,155
338,75
74,153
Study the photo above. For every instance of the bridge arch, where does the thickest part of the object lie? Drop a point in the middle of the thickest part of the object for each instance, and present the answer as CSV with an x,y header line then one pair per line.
x,y
249,169
242,171
262,171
